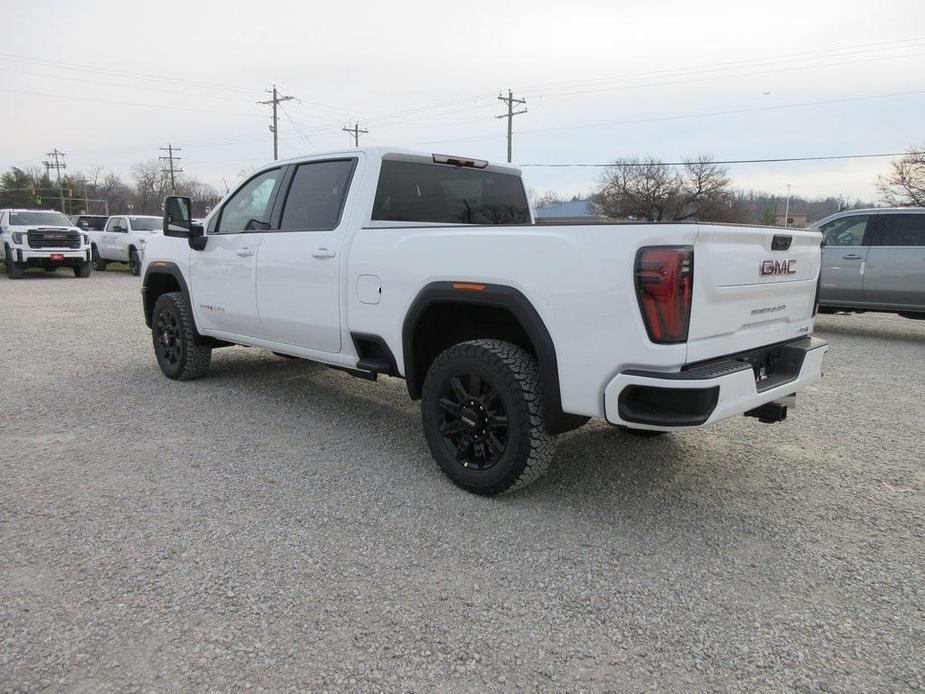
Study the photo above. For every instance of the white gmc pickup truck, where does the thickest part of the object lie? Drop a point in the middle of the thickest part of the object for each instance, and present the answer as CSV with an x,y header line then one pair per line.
x,y
122,240
430,268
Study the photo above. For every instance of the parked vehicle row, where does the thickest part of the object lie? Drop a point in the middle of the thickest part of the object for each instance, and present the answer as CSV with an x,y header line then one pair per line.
x,y
50,240
429,268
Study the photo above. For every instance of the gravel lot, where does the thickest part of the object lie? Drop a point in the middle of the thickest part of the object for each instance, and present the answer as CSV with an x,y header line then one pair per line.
x,y
279,525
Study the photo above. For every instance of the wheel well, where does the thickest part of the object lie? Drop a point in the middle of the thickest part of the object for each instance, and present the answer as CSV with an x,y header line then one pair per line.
x,y
156,284
443,314
444,324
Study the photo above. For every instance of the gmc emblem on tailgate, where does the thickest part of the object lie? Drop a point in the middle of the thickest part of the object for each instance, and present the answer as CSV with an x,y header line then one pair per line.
x,y
778,267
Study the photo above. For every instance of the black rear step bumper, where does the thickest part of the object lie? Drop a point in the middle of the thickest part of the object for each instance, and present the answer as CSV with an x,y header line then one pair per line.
x,y
705,392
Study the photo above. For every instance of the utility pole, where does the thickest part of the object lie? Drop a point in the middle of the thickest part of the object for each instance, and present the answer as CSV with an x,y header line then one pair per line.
x,y
170,159
356,132
510,101
57,165
275,101
787,209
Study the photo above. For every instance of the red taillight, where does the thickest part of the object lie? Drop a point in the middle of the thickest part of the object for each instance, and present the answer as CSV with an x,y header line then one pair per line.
x,y
664,281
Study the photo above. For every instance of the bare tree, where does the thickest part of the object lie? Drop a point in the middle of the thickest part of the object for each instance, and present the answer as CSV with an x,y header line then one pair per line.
x,y
705,191
638,189
904,185
650,189
150,186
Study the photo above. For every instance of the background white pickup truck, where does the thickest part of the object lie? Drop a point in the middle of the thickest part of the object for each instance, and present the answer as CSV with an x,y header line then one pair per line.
x,y
430,268
44,239
123,240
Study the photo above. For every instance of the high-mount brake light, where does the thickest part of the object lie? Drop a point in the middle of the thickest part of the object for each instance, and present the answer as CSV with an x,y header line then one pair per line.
x,y
664,282
459,161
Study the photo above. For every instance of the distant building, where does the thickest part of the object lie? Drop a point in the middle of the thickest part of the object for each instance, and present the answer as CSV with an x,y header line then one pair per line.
x,y
573,211
797,220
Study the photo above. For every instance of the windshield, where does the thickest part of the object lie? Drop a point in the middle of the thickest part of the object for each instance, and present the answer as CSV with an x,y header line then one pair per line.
x,y
146,223
55,219
91,223
412,192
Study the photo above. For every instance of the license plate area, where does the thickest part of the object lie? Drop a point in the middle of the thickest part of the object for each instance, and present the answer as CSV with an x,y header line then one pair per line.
x,y
771,366
57,256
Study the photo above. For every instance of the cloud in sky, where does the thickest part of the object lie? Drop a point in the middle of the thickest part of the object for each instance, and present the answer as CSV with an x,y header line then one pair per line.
x,y
110,82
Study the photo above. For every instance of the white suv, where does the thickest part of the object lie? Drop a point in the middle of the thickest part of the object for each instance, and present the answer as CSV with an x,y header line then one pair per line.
x,y
42,238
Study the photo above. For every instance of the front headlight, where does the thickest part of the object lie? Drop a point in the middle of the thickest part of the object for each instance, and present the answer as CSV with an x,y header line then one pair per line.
x,y
18,236
86,239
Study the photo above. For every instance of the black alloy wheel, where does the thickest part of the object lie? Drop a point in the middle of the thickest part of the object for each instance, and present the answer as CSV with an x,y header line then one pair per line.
x,y
168,340
474,423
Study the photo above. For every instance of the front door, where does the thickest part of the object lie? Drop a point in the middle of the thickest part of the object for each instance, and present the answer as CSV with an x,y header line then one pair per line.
x,y
298,265
895,269
843,259
224,273
111,237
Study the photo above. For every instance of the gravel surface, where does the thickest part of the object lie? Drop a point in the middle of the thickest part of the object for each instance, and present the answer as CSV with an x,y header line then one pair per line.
x,y
279,525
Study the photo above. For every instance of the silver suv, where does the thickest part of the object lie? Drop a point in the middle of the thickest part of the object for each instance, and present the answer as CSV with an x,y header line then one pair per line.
x,y
874,260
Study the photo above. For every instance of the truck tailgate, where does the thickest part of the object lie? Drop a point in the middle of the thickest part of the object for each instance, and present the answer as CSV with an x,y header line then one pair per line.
x,y
752,286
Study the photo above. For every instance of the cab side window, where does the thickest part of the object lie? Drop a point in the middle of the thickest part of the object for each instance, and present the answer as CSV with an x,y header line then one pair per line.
x,y
249,208
847,231
901,230
316,196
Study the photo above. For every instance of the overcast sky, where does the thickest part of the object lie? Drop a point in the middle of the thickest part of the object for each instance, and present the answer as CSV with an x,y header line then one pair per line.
x,y
110,82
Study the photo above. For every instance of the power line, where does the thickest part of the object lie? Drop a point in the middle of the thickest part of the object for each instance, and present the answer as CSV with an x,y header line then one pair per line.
x,y
510,101
295,126
275,102
773,160
682,116
170,159
127,103
355,131
746,63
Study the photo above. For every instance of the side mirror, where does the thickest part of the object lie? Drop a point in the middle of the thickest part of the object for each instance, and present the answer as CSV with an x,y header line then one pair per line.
x,y
178,218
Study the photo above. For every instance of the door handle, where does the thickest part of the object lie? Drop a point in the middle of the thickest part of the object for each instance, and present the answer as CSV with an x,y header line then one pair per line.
x,y
851,256
244,251
322,253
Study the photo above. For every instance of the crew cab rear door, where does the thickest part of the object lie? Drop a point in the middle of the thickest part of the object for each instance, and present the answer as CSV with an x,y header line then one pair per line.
x,y
753,286
299,261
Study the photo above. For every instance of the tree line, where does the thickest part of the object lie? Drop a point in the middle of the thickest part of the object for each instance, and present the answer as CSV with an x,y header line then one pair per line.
x,y
96,191
630,188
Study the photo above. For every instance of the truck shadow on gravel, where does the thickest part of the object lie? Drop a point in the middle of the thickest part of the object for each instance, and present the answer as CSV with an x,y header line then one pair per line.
x,y
596,459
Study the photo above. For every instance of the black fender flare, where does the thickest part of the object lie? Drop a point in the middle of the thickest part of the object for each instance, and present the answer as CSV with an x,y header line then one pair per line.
x,y
160,267
499,296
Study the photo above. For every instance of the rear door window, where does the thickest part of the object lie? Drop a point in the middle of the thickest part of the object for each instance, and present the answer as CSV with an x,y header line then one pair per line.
x,y
901,230
419,192
316,196
847,231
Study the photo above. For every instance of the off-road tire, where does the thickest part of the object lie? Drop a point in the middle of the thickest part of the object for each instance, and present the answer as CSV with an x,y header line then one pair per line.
x,y
173,317
14,270
510,372
82,270
98,263
134,262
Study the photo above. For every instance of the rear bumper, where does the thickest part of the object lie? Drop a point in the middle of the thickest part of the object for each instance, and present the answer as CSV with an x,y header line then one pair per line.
x,y
709,392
